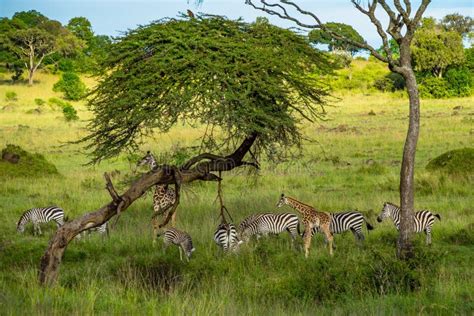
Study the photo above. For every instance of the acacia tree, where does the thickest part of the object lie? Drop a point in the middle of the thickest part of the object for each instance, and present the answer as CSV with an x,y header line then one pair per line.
x,y
247,84
401,27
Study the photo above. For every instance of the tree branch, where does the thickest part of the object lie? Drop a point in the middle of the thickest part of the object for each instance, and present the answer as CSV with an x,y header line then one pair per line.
x,y
51,260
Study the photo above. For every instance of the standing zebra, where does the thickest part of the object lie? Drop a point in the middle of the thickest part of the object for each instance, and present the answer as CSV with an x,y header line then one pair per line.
x,y
40,215
180,239
249,219
423,219
226,237
344,221
272,224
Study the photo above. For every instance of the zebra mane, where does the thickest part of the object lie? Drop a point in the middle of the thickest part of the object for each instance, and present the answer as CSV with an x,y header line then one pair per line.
x,y
391,204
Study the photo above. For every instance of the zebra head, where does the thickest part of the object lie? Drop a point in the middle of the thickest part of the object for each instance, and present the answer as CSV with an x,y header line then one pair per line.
x,y
283,200
20,227
148,160
386,212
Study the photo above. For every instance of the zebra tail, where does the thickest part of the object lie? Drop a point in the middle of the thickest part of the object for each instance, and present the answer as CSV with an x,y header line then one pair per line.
x,y
369,227
438,216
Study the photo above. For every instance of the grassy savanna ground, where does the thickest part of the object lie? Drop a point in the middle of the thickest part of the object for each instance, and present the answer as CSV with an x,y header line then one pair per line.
x,y
353,165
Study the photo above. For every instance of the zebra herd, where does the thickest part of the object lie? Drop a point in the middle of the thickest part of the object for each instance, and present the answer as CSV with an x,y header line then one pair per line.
x,y
229,237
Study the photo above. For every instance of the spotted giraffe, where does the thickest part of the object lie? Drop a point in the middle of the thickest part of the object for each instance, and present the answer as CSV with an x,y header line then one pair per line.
x,y
163,197
311,218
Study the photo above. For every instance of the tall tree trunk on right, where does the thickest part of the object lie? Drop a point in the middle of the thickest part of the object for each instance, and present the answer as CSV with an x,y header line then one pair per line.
x,y
407,186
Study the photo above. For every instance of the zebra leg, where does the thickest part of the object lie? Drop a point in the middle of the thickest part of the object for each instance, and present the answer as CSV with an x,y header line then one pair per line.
x,y
428,236
180,253
359,237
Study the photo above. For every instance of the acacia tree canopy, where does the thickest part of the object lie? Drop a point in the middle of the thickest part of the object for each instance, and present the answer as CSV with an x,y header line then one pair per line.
x,y
320,36
236,78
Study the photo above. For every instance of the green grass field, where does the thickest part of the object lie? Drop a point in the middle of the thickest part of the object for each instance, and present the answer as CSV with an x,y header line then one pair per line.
x,y
353,163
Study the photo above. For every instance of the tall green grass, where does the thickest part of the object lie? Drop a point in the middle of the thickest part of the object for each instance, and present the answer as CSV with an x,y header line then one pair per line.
x,y
353,164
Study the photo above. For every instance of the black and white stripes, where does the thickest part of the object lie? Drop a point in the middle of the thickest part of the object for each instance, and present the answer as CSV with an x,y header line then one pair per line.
x,y
265,224
226,237
181,239
344,221
423,220
40,215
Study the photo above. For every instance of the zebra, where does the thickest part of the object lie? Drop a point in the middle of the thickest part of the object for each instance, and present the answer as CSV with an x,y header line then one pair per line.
x,y
181,239
423,219
249,219
40,215
343,221
226,237
274,224
103,230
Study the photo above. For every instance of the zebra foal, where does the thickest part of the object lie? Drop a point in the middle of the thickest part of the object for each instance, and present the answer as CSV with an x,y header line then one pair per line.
x,y
181,239
40,215
264,224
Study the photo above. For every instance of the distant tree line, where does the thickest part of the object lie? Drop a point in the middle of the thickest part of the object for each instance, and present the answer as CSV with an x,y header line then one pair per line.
x,y
30,41
444,68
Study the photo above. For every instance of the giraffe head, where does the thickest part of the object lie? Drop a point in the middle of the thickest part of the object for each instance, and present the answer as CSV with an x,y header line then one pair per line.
x,y
386,211
283,200
149,160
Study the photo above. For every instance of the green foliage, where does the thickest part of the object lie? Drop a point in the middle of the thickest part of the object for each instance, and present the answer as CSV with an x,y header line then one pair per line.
x,y
390,82
233,76
81,27
434,49
463,25
433,87
318,36
458,162
11,96
460,81
72,86
70,113
361,75
40,102
58,103
29,164
393,48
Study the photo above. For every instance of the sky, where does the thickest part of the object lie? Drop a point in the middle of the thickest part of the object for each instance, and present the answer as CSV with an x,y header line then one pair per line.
x,y
111,17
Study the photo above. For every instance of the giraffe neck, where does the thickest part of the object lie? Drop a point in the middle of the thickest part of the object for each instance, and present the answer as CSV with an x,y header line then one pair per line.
x,y
297,205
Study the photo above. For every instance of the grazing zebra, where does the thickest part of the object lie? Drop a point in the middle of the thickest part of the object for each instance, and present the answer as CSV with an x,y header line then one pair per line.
x,y
103,230
272,224
180,239
226,237
344,221
40,215
423,219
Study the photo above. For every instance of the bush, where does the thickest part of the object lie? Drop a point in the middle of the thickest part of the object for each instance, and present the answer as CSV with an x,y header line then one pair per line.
x,y
11,96
39,102
458,161
460,82
27,165
70,113
72,86
58,103
434,87
390,83
66,65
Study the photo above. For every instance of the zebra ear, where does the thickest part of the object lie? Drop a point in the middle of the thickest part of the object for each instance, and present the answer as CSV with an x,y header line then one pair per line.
x,y
282,195
148,152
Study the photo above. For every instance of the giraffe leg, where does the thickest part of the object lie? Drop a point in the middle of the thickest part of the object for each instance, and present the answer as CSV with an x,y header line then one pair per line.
x,y
154,223
307,239
173,219
329,238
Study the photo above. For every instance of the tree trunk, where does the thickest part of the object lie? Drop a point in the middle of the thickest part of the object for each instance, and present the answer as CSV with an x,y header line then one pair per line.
x,y
195,169
404,243
31,72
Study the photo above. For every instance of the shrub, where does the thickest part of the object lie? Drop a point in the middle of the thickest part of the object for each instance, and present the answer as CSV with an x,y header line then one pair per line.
x,y
458,161
434,87
58,103
390,83
460,82
70,113
39,102
71,85
66,65
11,96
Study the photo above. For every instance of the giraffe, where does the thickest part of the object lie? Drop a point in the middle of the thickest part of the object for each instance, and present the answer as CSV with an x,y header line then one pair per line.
x,y
163,198
311,218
